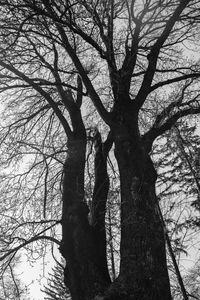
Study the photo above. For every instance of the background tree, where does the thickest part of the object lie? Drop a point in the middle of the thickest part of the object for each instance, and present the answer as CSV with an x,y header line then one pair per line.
x,y
127,58
192,281
177,161
11,287
55,288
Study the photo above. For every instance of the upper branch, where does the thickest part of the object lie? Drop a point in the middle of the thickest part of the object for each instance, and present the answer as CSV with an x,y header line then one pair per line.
x,y
175,79
43,93
130,50
168,117
154,53
87,82
69,22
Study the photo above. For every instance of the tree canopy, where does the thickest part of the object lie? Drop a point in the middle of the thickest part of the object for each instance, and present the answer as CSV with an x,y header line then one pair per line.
x,y
79,79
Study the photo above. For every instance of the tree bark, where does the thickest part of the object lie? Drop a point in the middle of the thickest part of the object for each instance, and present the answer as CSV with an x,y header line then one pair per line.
x,y
143,270
99,201
143,261
83,272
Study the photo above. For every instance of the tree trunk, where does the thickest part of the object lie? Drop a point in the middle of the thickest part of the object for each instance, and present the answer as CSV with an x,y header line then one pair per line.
x,y
143,261
99,201
143,270
82,274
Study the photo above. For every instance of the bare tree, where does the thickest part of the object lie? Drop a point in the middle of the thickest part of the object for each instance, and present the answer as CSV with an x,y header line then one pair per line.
x,y
128,57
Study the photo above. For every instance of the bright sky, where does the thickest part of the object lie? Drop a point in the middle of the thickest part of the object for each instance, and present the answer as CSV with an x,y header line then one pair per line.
x,y
35,275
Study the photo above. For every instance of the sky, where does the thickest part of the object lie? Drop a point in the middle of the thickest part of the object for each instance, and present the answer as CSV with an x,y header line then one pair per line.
x,y
35,275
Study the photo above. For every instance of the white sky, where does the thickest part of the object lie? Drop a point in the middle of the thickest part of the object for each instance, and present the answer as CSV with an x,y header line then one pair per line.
x,y
35,275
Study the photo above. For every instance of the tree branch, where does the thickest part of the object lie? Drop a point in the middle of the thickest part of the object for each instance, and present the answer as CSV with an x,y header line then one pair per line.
x,y
161,125
91,91
172,80
46,96
154,53
33,239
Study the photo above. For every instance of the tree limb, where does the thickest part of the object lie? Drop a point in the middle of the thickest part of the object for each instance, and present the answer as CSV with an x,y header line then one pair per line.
x,y
154,53
46,96
91,91
172,80
33,239
161,125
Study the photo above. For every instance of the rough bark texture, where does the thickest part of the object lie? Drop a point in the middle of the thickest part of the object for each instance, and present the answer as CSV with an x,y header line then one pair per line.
x,y
84,274
143,270
99,200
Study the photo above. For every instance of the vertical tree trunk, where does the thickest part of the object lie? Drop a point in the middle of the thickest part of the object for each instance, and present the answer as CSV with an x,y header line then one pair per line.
x,y
82,274
143,260
143,269
99,201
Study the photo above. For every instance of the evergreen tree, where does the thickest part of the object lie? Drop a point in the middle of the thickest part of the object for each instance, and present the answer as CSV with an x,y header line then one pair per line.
x,y
55,288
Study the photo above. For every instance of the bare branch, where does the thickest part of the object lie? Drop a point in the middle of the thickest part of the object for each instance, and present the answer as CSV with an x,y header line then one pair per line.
x,y
33,239
167,119
91,91
173,80
51,102
154,53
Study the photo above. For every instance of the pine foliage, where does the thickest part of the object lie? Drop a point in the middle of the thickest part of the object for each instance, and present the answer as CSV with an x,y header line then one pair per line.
x,y
55,288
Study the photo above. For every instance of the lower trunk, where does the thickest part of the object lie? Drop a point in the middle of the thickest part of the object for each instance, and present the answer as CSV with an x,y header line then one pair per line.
x,y
143,269
83,276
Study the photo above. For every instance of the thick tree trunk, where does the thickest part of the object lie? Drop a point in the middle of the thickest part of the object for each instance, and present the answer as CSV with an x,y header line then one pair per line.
x,y
143,269
83,271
